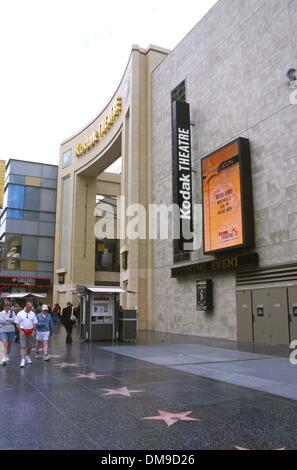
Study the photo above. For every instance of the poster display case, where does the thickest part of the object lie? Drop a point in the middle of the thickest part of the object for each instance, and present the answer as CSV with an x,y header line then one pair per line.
x,y
227,198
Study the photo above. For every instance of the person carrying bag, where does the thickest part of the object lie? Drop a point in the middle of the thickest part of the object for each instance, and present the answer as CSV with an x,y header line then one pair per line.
x,y
68,320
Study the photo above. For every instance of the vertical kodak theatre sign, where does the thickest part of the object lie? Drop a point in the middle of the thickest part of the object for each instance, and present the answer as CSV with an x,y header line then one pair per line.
x,y
102,129
182,170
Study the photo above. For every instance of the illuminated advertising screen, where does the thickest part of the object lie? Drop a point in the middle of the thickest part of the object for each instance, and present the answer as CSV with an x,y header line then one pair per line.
x,y
227,198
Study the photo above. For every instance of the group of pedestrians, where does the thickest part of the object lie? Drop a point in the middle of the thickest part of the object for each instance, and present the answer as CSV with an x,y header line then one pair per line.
x,y
28,325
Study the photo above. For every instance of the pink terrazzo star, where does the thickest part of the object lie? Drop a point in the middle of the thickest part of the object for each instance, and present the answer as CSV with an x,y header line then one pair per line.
x,y
62,365
54,355
120,391
172,418
91,375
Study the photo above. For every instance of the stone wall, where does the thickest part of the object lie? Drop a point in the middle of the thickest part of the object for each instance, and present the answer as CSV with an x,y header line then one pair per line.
x,y
234,62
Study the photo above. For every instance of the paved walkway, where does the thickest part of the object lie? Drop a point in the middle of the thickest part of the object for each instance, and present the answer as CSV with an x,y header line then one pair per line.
x,y
90,397
271,374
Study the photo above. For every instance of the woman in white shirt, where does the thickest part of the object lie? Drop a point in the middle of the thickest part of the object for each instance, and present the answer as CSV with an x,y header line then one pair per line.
x,y
7,331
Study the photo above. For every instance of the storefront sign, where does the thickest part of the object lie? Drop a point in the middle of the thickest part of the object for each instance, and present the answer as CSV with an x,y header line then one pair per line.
x,y
204,295
227,198
231,263
24,281
102,129
182,170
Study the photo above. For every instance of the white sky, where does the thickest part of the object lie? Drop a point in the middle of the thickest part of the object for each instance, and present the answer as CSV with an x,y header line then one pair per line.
x,y
61,61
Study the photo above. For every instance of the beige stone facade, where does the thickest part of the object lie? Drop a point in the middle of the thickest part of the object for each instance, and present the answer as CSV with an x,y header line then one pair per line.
x,y
233,66
125,132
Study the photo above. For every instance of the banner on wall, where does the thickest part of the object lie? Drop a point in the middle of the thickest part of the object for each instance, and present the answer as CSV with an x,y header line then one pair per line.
x,y
204,296
182,173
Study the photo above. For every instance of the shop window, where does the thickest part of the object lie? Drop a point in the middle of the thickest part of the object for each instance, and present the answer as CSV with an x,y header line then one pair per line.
x,y
11,247
28,266
48,183
45,249
32,198
16,179
30,248
48,200
14,214
66,159
45,267
33,169
179,93
46,229
15,196
31,215
32,181
107,255
49,171
47,217
65,222
125,260
180,256
17,167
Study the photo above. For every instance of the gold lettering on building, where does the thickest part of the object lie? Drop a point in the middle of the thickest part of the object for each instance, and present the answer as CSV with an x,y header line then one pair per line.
x,y
101,130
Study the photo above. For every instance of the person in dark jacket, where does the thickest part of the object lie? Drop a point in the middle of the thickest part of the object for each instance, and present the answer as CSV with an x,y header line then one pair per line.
x,y
67,321
77,314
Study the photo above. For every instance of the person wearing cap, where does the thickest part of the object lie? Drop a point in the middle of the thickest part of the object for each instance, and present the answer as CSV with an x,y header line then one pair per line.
x,y
44,330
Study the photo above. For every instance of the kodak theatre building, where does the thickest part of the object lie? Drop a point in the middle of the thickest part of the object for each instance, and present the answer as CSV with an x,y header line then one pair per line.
x,y
209,129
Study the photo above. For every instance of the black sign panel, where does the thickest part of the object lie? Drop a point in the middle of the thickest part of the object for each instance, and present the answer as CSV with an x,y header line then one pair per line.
x,y
204,295
182,173
260,310
232,263
24,281
61,278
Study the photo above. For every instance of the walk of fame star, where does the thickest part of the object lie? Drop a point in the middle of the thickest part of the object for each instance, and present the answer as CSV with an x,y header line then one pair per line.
x,y
91,375
120,391
172,418
62,365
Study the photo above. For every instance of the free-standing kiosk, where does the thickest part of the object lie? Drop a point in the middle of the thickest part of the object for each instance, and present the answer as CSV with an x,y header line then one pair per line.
x,y
99,312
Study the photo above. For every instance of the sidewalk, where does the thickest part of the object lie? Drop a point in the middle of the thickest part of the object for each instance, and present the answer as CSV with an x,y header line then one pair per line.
x,y
229,362
91,396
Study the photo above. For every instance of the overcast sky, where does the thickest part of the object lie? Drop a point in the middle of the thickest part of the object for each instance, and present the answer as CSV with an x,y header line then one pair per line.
x,y
62,60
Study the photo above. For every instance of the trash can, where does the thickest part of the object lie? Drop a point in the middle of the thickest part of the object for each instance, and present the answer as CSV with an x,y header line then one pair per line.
x,y
127,325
